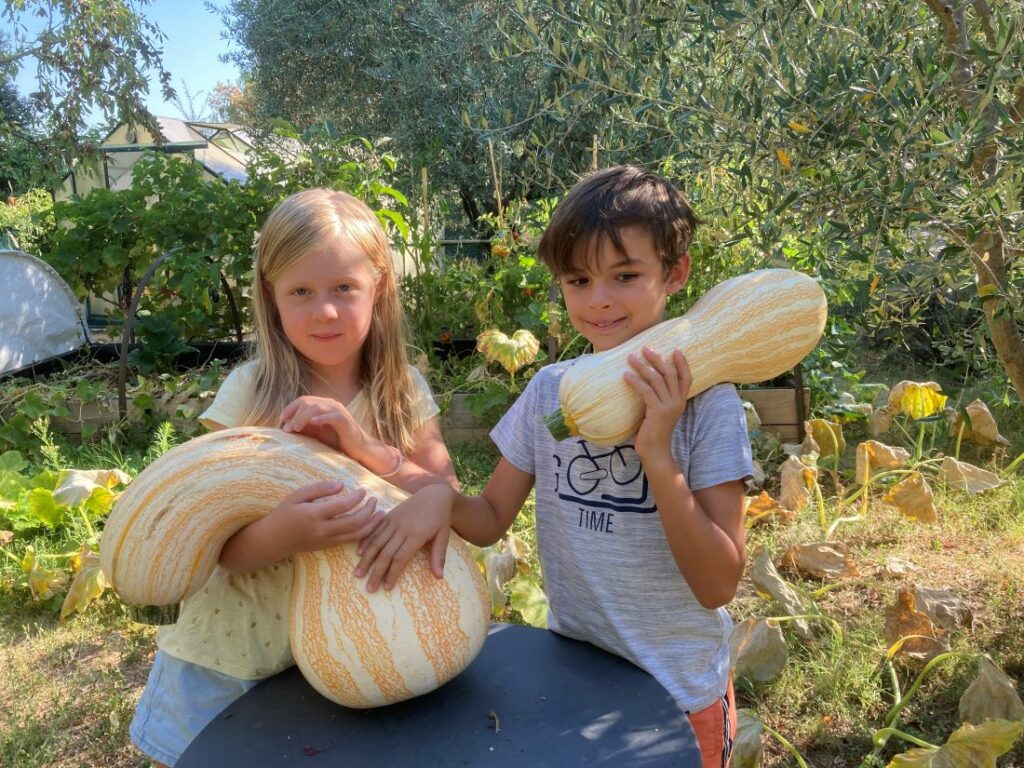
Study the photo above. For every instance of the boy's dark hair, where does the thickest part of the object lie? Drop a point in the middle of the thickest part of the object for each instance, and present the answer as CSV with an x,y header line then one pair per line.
x,y
600,204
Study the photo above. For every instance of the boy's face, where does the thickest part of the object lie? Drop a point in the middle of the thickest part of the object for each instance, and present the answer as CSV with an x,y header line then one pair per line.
x,y
615,296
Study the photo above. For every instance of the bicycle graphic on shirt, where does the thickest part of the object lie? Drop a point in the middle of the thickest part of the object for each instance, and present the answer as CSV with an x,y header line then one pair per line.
x,y
586,471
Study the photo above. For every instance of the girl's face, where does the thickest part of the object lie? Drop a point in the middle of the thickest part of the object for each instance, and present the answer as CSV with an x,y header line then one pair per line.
x,y
325,301
620,294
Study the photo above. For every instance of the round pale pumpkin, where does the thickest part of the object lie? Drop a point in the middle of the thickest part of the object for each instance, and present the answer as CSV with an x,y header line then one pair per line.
x,y
164,535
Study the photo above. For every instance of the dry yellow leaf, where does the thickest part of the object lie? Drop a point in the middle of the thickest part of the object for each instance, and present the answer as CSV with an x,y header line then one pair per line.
x,y
511,353
828,435
784,160
991,696
797,480
913,497
821,559
44,582
969,746
903,620
980,426
88,584
880,421
967,477
758,650
768,582
762,508
798,127
946,609
917,399
872,455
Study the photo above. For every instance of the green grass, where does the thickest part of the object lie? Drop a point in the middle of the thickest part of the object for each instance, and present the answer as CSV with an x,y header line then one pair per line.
x,y
67,691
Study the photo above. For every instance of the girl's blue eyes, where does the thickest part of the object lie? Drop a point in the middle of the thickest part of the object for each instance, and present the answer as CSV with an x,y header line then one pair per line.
x,y
343,288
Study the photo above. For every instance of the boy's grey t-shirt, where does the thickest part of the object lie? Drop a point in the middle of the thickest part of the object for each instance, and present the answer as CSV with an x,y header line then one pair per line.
x,y
608,572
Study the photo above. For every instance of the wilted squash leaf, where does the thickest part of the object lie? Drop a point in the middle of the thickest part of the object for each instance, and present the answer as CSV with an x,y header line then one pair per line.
x,y
970,746
758,650
753,420
88,583
991,696
980,426
943,607
917,399
6,537
880,421
967,477
43,583
529,599
903,620
913,497
747,746
76,485
895,568
822,559
768,582
872,455
827,435
763,507
512,353
797,480
499,568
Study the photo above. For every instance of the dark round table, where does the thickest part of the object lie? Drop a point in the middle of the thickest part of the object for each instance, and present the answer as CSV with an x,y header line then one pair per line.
x,y
531,698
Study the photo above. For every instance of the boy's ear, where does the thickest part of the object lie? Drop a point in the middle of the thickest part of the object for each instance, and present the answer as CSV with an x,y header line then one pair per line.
x,y
679,273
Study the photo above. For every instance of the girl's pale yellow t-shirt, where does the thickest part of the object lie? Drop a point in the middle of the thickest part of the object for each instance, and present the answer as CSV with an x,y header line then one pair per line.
x,y
238,623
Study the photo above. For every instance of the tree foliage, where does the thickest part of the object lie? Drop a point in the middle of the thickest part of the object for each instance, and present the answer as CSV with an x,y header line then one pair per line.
x,y
91,61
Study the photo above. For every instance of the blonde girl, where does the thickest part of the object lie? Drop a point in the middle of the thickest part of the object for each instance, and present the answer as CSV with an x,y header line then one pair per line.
x,y
330,363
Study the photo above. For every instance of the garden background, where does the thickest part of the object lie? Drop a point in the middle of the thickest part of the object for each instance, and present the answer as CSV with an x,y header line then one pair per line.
x,y
876,146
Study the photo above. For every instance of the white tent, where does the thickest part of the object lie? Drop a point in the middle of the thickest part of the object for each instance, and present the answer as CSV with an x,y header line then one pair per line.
x,y
40,318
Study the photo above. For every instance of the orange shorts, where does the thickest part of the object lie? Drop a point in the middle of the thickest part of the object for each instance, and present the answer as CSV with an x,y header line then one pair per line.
x,y
715,727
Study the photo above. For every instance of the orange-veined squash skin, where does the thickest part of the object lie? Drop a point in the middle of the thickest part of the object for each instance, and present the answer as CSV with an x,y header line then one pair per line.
x,y
164,534
744,330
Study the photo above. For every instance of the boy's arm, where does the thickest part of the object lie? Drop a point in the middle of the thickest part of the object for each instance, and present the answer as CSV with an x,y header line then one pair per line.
x,y
704,528
426,517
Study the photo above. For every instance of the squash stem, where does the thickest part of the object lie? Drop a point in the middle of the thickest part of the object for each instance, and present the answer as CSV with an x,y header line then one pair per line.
x,y
555,422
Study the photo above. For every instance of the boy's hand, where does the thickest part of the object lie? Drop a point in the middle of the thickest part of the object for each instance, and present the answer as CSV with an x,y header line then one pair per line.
x,y
324,419
425,517
664,385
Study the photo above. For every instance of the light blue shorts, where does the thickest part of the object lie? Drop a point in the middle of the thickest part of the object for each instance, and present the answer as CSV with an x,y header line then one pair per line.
x,y
179,700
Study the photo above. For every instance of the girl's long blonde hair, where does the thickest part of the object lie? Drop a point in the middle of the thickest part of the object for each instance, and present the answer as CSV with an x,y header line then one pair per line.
x,y
299,224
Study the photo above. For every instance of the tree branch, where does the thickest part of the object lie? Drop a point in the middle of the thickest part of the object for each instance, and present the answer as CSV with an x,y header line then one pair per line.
x,y
985,14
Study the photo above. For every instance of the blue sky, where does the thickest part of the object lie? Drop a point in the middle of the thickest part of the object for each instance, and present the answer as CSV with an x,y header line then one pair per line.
x,y
191,48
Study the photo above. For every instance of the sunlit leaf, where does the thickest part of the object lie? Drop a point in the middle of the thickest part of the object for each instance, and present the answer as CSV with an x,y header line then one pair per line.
x,y
75,485
992,695
913,497
12,461
822,560
45,509
762,508
917,399
758,650
87,585
872,455
828,436
529,599
903,620
980,426
783,157
797,480
45,582
970,746
511,353
798,127
747,747
769,583
967,477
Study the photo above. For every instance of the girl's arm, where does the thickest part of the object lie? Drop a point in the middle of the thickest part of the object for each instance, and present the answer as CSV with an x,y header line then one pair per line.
x,y
704,528
310,518
330,422
427,516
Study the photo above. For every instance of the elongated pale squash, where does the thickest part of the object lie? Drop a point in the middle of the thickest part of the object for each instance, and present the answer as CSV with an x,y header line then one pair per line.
x,y
744,330
164,534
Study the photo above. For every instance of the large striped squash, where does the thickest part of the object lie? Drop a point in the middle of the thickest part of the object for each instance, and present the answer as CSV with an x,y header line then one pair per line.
x,y
165,532
744,330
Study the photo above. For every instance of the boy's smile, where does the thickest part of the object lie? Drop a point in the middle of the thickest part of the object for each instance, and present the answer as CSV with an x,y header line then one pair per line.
x,y
616,295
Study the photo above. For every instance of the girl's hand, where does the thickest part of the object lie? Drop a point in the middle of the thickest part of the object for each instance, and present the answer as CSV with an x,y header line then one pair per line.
x,y
424,518
319,516
325,419
664,386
